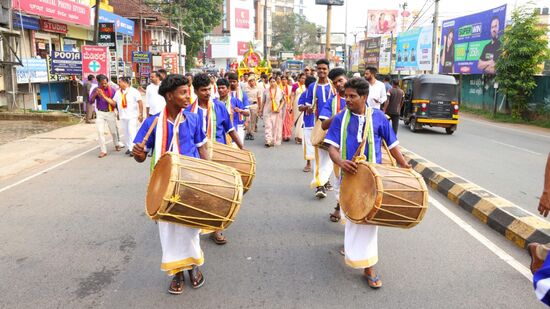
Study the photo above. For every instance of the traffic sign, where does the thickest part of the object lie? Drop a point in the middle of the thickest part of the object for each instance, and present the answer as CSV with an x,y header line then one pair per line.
x,y
66,63
95,60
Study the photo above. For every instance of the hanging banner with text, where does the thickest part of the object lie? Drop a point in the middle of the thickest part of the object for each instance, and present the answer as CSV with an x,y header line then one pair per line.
x,y
95,60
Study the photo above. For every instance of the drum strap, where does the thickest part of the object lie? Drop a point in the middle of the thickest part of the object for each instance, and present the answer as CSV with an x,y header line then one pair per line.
x,y
229,107
368,138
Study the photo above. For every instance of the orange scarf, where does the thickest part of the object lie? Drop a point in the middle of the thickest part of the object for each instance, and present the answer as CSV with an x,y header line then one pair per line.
x,y
274,105
124,102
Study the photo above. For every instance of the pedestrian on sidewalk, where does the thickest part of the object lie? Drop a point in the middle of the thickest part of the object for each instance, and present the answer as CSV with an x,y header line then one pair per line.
x,y
395,102
272,111
88,86
254,94
130,110
103,96
154,102
181,249
540,264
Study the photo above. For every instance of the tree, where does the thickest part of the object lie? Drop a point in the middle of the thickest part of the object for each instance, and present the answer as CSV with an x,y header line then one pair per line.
x,y
524,47
197,18
293,32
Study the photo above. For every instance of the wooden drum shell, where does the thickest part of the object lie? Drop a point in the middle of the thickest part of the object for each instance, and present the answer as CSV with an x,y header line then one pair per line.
x,y
243,161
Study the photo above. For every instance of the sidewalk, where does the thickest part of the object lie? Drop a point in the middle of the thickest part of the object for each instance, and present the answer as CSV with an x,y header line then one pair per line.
x,y
24,154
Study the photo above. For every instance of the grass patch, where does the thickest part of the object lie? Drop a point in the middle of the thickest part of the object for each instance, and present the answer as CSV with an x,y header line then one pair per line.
x,y
499,117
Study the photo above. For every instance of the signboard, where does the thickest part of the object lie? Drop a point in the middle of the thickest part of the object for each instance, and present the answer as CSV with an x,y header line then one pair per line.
x,y
95,60
50,26
335,39
382,21
331,2
170,62
242,18
107,35
145,70
141,57
62,10
384,66
66,63
25,22
414,49
372,52
122,25
242,48
470,44
33,70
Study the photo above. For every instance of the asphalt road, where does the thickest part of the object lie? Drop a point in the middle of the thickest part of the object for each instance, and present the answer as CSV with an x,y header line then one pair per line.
x,y
508,160
77,237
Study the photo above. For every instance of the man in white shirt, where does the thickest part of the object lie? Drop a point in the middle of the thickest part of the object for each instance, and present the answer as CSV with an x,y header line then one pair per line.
x,y
130,111
377,89
154,102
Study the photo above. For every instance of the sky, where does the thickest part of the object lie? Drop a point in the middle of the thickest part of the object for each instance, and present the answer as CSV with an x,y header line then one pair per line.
x,y
357,11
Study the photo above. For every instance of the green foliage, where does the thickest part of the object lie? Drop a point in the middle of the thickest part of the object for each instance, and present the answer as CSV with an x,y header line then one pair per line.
x,y
293,32
197,18
524,47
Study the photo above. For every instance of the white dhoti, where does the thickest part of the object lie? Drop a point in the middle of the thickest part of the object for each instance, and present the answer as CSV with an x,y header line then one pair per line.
x,y
322,169
181,248
299,131
361,245
240,132
336,183
309,152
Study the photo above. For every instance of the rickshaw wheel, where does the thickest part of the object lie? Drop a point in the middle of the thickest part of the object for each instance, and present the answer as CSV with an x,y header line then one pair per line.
x,y
449,131
413,125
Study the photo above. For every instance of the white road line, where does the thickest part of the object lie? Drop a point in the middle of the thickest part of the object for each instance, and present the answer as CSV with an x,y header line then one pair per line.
x,y
46,170
518,148
484,240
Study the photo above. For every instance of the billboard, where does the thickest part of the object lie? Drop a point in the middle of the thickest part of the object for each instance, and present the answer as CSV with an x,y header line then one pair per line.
x,y
470,44
382,21
32,71
372,52
95,60
414,49
385,54
61,10
65,63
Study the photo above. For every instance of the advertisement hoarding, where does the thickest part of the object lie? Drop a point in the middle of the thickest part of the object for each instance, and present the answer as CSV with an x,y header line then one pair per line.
x,y
382,21
33,70
170,62
141,57
95,60
66,63
122,25
414,49
62,10
107,36
470,44
372,52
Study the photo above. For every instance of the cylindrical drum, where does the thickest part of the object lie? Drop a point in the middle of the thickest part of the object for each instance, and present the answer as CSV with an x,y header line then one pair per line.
x,y
384,195
243,161
318,135
194,192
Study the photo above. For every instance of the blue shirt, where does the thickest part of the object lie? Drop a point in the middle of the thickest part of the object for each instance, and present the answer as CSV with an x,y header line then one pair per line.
x,y
244,104
234,103
190,134
328,111
539,278
382,130
322,96
223,122
309,118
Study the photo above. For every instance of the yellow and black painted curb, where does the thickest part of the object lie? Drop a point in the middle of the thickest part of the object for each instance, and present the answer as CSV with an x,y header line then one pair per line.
x,y
500,214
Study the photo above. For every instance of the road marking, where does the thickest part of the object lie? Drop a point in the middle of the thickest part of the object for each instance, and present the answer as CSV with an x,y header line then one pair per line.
x,y
518,148
515,130
484,240
48,169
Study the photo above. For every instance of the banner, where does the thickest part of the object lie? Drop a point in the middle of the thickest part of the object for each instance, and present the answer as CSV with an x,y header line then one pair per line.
x,y
384,66
95,60
61,10
122,25
470,44
141,57
66,63
33,70
382,21
107,35
372,52
170,62
414,49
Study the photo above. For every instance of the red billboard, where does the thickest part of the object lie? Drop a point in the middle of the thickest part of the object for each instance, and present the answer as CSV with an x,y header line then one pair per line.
x,y
62,10
95,60
242,48
242,18
170,62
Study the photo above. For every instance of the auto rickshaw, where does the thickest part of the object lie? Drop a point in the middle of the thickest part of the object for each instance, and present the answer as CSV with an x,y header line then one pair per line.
x,y
430,100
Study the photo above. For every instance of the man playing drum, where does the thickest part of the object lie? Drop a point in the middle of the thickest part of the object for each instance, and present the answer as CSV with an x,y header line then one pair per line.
x,y
308,122
344,137
180,244
318,95
335,104
216,123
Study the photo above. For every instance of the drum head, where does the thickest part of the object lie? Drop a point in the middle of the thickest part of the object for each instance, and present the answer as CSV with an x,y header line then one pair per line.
x,y
358,193
159,187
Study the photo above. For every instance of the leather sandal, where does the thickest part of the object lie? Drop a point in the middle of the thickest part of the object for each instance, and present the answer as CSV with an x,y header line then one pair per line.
x,y
197,279
102,154
536,263
176,286
218,239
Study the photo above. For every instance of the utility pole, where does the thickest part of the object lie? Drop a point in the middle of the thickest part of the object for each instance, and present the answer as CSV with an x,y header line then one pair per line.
x,y
140,27
346,51
327,35
96,22
434,36
266,56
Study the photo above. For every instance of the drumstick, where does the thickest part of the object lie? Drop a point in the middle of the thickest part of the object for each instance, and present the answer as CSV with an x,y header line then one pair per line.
x,y
142,144
295,122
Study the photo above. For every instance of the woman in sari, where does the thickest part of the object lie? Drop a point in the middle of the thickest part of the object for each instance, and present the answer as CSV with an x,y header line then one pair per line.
x,y
288,119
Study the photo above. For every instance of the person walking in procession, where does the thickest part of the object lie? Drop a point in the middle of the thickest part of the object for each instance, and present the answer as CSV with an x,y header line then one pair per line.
x,y
272,111
254,94
181,249
154,102
308,116
288,119
130,110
